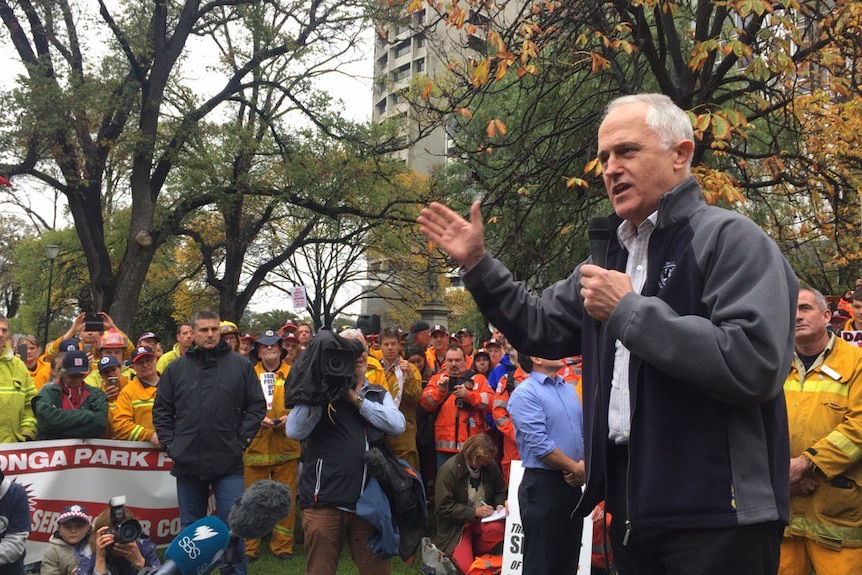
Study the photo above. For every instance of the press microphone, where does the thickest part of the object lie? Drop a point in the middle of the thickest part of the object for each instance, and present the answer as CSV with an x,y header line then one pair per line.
x,y
197,549
599,231
256,513
263,504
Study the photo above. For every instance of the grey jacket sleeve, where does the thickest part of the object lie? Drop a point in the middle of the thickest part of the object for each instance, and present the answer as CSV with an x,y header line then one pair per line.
x,y
12,547
547,325
741,352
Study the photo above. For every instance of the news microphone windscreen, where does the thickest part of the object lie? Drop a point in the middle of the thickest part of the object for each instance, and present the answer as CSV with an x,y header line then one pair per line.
x,y
376,461
197,546
262,505
599,231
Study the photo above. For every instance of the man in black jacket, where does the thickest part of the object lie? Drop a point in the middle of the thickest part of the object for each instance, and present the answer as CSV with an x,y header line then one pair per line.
x,y
683,339
208,408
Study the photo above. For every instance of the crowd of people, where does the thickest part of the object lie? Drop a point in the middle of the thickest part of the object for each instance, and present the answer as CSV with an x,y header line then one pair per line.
x,y
704,415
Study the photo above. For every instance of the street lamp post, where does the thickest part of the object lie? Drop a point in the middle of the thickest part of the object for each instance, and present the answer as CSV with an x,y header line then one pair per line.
x,y
51,252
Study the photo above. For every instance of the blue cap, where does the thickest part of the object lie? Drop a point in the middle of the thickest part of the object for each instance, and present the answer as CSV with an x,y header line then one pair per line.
x,y
269,337
71,512
76,362
108,362
68,345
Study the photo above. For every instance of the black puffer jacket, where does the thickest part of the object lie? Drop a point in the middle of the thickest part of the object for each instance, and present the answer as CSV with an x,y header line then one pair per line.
x,y
208,407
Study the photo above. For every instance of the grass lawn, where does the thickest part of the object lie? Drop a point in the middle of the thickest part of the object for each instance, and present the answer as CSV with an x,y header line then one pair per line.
x,y
267,564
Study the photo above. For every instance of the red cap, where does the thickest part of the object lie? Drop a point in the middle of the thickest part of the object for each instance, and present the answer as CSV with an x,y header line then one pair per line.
x,y
142,351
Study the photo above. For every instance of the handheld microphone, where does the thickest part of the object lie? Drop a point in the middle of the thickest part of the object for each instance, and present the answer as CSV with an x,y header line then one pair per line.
x,y
256,513
599,231
197,549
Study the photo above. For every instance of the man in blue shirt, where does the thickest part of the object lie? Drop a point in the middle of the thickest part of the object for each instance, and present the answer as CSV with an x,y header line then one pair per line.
x,y
548,422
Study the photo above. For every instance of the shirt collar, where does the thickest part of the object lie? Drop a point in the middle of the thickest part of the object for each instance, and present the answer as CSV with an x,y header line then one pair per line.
x,y
627,233
830,344
280,371
546,379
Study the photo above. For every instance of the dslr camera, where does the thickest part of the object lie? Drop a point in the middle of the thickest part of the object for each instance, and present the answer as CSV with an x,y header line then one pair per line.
x,y
460,380
124,530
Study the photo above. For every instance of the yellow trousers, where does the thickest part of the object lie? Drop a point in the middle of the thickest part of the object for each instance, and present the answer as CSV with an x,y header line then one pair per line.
x,y
282,535
799,555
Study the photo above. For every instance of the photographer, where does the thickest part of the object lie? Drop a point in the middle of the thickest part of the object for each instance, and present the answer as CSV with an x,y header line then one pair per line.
x,y
113,558
462,398
334,472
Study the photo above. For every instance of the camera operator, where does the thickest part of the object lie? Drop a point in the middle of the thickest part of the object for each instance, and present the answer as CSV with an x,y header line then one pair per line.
x,y
333,476
111,557
461,398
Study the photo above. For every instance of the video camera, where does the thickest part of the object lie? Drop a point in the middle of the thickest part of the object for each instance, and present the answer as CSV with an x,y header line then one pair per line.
x,y
124,530
324,370
340,362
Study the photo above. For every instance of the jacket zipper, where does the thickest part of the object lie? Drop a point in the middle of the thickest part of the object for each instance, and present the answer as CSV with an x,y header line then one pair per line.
x,y
633,404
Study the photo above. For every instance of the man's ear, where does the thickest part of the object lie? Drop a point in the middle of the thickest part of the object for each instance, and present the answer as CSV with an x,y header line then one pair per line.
x,y
684,150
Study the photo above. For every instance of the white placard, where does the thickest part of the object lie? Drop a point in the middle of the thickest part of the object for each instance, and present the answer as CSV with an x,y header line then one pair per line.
x,y
852,337
513,540
267,384
299,299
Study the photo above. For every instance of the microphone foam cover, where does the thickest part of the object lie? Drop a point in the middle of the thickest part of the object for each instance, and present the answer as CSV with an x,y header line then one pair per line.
x,y
262,505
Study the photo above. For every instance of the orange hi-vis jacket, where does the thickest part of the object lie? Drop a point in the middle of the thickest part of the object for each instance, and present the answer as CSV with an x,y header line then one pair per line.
x,y
436,364
502,419
455,424
571,373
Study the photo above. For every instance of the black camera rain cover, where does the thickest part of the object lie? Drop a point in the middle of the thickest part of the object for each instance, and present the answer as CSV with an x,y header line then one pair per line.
x,y
324,370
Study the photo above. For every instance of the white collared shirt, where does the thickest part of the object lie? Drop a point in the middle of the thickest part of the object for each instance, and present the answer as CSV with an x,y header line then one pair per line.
x,y
636,243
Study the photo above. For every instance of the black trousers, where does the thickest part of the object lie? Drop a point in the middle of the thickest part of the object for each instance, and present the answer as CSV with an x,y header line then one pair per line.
x,y
740,550
552,538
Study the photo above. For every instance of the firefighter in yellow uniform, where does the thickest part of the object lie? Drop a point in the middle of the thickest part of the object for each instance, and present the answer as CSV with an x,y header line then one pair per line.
x,y
272,455
131,416
824,407
405,385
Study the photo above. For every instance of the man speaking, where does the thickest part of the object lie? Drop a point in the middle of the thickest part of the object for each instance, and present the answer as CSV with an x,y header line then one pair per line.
x,y
685,338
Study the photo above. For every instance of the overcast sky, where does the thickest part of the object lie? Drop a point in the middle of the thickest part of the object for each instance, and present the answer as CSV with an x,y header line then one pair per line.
x,y
353,87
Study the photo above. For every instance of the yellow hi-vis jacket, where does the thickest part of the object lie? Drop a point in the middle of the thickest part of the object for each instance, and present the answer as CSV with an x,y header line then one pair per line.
x,y
272,446
824,408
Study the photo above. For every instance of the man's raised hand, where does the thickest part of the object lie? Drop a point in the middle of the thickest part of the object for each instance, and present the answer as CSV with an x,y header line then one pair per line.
x,y
463,240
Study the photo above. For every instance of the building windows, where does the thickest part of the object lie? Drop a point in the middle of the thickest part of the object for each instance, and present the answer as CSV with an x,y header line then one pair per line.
x,y
402,49
381,107
401,73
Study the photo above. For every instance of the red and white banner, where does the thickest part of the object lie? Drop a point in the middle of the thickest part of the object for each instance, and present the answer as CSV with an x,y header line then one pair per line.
x,y
89,472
